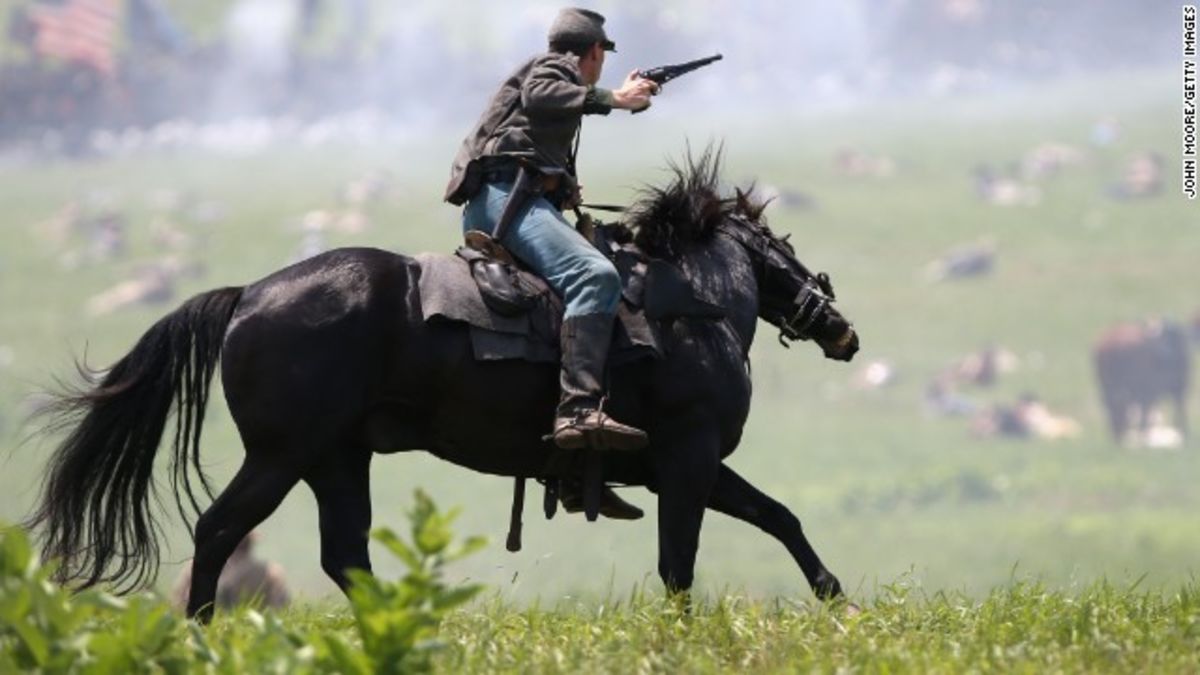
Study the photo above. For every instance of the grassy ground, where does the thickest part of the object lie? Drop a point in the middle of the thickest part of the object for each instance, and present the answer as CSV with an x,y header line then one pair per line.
x,y
418,623
1022,628
883,490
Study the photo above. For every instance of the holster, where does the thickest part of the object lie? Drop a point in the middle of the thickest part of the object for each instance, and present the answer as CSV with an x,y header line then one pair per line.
x,y
496,275
526,188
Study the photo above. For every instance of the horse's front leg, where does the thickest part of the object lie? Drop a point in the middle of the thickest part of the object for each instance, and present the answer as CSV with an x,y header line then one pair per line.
x,y
734,496
685,470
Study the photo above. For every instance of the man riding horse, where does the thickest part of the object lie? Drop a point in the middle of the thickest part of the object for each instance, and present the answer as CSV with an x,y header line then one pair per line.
x,y
515,172
333,361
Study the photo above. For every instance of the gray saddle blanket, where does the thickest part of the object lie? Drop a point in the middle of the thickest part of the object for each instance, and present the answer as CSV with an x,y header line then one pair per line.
x,y
449,293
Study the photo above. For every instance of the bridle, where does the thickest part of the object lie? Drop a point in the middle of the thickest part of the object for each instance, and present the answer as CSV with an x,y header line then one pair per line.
x,y
810,304
815,294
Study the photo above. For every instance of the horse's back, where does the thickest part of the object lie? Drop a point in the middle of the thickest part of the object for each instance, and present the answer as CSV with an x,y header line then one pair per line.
x,y
326,288
318,338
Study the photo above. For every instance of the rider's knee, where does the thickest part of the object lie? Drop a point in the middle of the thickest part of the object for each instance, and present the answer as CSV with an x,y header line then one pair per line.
x,y
603,274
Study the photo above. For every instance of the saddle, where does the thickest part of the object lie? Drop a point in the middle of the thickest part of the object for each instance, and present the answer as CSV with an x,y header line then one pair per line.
x,y
514,314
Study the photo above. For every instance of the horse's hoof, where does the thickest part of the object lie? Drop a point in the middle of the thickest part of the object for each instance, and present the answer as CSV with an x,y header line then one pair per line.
x,y
851,610
827,587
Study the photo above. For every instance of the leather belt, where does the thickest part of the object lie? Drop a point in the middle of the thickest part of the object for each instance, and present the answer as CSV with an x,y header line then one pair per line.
x,y
506,172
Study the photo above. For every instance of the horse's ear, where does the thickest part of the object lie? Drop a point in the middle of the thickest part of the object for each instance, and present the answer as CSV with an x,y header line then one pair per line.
x,y
758,210
748,207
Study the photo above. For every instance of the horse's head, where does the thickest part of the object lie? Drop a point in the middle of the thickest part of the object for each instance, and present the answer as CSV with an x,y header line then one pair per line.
x,y
690,212
791,297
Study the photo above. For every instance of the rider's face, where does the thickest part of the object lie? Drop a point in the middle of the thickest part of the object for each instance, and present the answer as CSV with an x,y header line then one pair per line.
x,y
592,64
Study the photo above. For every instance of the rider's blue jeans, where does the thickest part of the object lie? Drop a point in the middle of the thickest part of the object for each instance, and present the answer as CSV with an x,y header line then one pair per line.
x,y
542,238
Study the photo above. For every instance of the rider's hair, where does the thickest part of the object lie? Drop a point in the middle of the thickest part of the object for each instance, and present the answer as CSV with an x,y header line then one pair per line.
x,y
579,49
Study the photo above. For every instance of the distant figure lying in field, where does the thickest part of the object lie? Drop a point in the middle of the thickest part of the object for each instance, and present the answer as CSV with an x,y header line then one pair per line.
x,y
152,283
856,163
787,198
993,188
1048,159
244,579
103,234
971,260
1143,177
943,400
1027,418
982,367
365,190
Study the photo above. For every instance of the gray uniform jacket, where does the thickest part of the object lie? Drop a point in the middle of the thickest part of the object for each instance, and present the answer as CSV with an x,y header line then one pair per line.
x,y
535,115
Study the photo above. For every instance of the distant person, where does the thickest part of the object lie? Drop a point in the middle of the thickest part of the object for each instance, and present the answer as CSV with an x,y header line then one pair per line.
x,y
971,260
150,25
520,159
1049,159
1143,177
998,189
981,368
244,579
943,400
1028,418
857,163
1105,132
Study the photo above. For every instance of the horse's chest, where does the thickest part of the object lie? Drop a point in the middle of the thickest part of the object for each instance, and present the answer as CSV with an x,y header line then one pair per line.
x,y
707,370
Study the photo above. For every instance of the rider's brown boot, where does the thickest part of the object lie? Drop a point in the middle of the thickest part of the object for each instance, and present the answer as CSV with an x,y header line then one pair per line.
x,y
579,422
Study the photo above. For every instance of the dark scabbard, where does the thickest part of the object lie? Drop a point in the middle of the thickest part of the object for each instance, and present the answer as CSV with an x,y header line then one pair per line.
x,y
513,544
525,188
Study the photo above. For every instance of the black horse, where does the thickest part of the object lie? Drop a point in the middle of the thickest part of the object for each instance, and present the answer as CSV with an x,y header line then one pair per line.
x,y
327,362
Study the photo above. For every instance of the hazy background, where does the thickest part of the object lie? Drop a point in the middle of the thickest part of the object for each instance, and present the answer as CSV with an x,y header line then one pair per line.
x,y
970,173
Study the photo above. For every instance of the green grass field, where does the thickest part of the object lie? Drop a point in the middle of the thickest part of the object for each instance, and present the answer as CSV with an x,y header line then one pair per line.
x,y
1001,544
421,623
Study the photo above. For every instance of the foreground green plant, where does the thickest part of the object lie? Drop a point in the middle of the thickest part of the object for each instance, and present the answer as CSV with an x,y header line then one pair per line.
x,y
45,628
398,621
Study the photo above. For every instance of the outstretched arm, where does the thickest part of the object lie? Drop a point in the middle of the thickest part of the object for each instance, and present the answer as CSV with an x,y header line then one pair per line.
x,y
553,88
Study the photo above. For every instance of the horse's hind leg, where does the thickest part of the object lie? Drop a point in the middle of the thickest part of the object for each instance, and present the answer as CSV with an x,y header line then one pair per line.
x,y
253,494
734,496
341,483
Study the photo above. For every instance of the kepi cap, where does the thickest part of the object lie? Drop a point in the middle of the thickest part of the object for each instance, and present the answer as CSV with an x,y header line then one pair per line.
x,y
580,26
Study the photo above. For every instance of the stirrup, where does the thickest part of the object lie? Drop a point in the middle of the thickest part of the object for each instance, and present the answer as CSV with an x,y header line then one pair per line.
x,y
606,434
612,506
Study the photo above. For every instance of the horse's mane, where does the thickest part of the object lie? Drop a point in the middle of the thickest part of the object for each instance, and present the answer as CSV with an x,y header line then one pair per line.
x,y
689,208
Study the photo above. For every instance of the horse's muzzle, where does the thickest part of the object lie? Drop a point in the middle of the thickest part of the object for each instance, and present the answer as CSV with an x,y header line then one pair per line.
x,y
844,348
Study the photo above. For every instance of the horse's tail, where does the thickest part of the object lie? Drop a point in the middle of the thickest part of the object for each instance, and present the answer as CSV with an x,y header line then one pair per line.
x,y
95,504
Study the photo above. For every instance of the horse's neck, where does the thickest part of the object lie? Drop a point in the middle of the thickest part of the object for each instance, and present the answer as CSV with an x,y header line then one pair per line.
x,y
721,273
